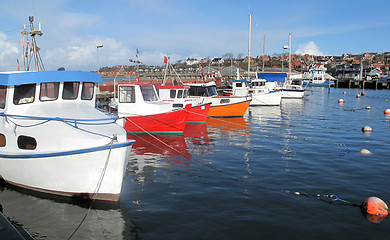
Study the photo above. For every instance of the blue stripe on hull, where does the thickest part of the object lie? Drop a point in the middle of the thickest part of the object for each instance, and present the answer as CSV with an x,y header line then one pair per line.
x,y
66,153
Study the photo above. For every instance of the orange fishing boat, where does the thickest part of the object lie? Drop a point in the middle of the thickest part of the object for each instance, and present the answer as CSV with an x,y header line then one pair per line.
x,y
221,106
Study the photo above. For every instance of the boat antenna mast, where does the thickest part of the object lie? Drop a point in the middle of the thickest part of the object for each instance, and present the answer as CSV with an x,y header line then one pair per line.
x,y
169,67
32,50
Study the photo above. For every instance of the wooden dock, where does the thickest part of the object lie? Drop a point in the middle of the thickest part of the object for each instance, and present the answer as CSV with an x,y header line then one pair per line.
x,y
363,84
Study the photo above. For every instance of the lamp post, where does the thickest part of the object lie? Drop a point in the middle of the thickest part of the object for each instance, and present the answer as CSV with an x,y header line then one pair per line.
x,y
97,50
284,48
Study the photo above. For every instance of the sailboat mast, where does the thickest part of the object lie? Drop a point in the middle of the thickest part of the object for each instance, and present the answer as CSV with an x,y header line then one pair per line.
x,y
249,44
263,51
289,56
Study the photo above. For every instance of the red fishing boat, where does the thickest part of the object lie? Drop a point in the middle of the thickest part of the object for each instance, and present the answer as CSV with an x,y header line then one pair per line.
x,y
143,112
178,96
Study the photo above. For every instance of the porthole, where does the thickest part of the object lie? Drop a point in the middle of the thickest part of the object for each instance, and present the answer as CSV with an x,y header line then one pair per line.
x,y
26,142
224,101
3,141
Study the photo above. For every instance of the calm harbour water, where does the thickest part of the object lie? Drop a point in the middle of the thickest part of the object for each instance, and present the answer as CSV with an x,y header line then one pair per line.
x,y
236,178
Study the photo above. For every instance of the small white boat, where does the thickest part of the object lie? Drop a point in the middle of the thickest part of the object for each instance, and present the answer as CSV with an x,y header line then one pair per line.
x,y
316,77
53,139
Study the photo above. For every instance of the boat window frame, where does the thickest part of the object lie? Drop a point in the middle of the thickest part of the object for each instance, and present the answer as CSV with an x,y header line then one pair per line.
x,y
180,93
84,91
126,94
3,96
172,93
67,94
148,93
24,94
55,91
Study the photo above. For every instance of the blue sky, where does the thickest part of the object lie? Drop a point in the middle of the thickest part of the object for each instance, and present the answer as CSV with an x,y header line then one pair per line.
x,y
197,29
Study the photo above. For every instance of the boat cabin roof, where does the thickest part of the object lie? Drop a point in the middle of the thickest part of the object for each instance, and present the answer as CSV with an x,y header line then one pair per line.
x,y
20,78
174,87
208,84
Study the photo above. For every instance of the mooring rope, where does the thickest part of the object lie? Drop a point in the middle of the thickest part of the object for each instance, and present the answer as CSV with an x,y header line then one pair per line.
x,y
96,191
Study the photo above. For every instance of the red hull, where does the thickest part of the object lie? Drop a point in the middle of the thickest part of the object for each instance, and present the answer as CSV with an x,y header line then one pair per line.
x,y
169,122
198,114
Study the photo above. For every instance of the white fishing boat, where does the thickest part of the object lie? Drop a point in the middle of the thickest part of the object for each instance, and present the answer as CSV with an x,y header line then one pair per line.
x,y
53,139
256,89
317,77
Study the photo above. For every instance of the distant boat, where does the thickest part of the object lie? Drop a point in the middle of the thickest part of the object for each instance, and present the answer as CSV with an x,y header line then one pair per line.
x,y
53,139
277,81
316,77
143,112
221,106
258,90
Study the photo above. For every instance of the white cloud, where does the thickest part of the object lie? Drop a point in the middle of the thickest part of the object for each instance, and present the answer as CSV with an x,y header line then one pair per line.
x,y
8,51
309,48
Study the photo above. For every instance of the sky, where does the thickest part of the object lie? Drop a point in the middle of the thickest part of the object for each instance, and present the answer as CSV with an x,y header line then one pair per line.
x,y
72,29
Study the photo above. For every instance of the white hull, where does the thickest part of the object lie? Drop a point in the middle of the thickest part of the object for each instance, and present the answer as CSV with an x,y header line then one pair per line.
x,y
266,99
75,174
292,93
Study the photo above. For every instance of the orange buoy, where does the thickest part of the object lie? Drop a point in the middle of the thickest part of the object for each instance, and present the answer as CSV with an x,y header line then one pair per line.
x,y
363,93
366,129
358,96
344,93
375,206
387,112
342,101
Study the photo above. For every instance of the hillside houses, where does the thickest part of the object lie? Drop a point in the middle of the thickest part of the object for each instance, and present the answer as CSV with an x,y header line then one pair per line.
x,y
344,66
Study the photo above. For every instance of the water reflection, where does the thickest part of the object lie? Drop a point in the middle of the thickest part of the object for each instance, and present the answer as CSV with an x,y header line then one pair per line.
x,y
49,219
228,125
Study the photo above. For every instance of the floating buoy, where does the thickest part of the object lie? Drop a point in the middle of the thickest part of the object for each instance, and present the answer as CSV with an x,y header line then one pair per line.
x,y
363,93
368,108
344,93
375,206
358,96
366,129
365,151
342,101
387,112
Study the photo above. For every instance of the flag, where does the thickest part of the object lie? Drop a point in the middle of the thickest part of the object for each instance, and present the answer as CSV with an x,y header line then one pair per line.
x,y
165,59
22,41
28,44
17,64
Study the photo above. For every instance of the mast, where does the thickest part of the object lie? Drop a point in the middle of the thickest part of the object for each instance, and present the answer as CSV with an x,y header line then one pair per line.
x,y
263,51
249,44
289,56
34,50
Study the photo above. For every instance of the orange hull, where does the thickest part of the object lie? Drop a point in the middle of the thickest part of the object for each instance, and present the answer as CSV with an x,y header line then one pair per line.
x,y
229,110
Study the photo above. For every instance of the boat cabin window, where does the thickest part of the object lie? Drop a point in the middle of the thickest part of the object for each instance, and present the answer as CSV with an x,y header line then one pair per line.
x,y
148,93
212,90
224,101
180,94
198,91
26,142
239,84
2,140
71,90
49,91
172,93
3,95
126,94
24,94
87,91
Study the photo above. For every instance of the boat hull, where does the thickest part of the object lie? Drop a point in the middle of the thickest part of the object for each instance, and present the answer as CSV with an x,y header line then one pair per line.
x,y
199,114
92,173
266,99
166,123
229,110
293,93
